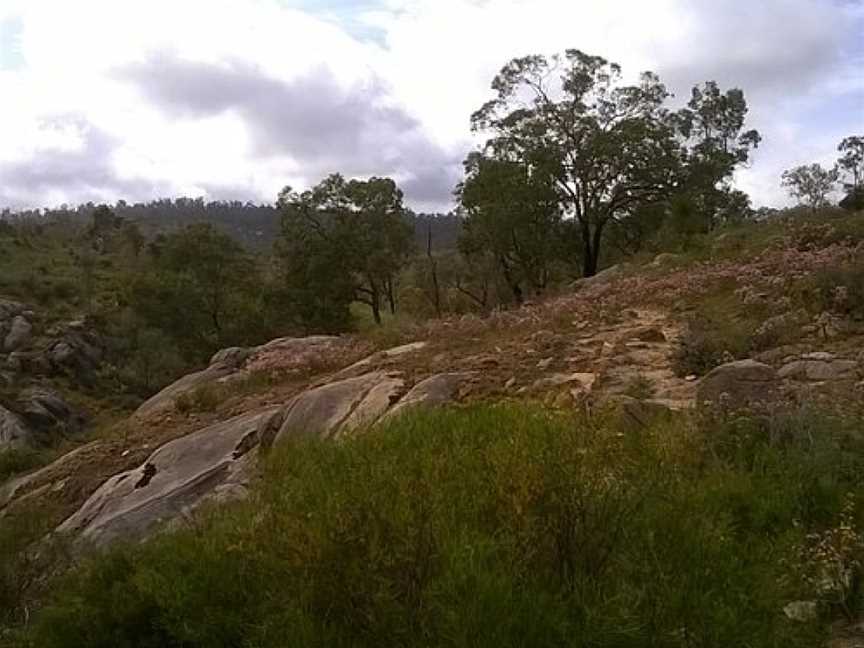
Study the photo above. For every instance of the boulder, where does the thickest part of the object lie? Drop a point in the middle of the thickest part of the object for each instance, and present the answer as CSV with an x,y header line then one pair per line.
x,y
164,401
739,384
47,413
9,309
665,259
601,278
649,334
174,480
281,353
232,356
338,408
13,430
20,332
439,389
818,367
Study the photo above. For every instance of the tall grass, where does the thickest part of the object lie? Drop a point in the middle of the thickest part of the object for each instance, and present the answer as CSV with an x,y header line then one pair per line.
x,y
491,526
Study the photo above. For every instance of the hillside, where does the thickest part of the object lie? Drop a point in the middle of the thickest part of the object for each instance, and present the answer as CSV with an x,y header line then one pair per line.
x,y
732,369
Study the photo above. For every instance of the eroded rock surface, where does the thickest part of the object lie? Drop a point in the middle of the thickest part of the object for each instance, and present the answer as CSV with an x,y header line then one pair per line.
x,y
173,481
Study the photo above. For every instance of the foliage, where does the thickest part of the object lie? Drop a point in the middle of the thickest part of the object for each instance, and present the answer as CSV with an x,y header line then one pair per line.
x,y
708,343
841,290
810,183
851,161
608,148
512,215
488,526
197,288
612,150
347,238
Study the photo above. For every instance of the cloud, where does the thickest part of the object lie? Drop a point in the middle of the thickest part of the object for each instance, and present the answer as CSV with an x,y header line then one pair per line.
x,y
84,169
237,98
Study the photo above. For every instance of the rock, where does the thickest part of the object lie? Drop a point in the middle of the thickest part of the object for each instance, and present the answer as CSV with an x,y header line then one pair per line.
x,y
30,362
165,399
279,353
739,384
403,349
803,611
19,334
232,356
340,407
46,412
585,380
13,431
818,355
173,481
819,369
601,278
439,389
9,309
511,382
665,259
649,334
9,491
634,414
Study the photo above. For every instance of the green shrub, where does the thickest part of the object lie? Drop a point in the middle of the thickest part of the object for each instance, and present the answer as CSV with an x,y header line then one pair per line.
x,y
708,342
841,290
202,399
491,526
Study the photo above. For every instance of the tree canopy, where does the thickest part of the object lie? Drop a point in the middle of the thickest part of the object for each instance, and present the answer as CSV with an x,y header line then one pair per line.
x,y
610,148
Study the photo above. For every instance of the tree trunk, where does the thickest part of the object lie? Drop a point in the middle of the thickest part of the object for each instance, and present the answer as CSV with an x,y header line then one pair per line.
x,y
433,268
515,288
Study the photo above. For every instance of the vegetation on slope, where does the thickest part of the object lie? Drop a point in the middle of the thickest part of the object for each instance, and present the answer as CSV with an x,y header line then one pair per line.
x,y
500,525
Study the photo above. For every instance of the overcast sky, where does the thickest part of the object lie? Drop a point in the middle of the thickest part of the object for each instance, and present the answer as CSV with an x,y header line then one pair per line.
x,y
233,99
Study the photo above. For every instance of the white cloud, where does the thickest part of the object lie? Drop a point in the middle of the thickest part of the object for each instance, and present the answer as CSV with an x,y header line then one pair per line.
x,y
239,97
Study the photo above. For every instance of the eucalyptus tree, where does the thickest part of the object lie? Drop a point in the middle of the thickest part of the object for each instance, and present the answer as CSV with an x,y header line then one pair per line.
x,y
345,237
608,148
810,184
513,214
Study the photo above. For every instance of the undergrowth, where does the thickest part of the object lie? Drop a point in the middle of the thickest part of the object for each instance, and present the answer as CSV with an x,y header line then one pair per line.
x,y
491,526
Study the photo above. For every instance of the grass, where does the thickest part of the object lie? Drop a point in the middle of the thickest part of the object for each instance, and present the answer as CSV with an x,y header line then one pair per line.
x,y
491,526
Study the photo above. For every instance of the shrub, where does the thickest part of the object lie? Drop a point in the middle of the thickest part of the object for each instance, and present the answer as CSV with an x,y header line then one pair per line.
x,y
201,399
841,290
640,387
709,342
491,526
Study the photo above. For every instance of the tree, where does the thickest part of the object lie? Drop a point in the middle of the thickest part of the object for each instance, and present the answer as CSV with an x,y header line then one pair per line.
x,y
810,184
358,227
712,125
852,161
197,288
608,148
512,213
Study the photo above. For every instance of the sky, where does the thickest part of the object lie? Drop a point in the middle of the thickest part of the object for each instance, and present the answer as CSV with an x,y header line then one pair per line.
x,y
103,100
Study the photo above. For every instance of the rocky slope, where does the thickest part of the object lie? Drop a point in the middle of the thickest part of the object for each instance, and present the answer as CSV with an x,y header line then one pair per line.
x,y
609,343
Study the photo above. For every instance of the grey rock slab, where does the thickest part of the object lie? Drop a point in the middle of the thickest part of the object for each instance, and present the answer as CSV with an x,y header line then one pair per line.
x,y
739,384
13,431
174,480
436,390
20,332
323,411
